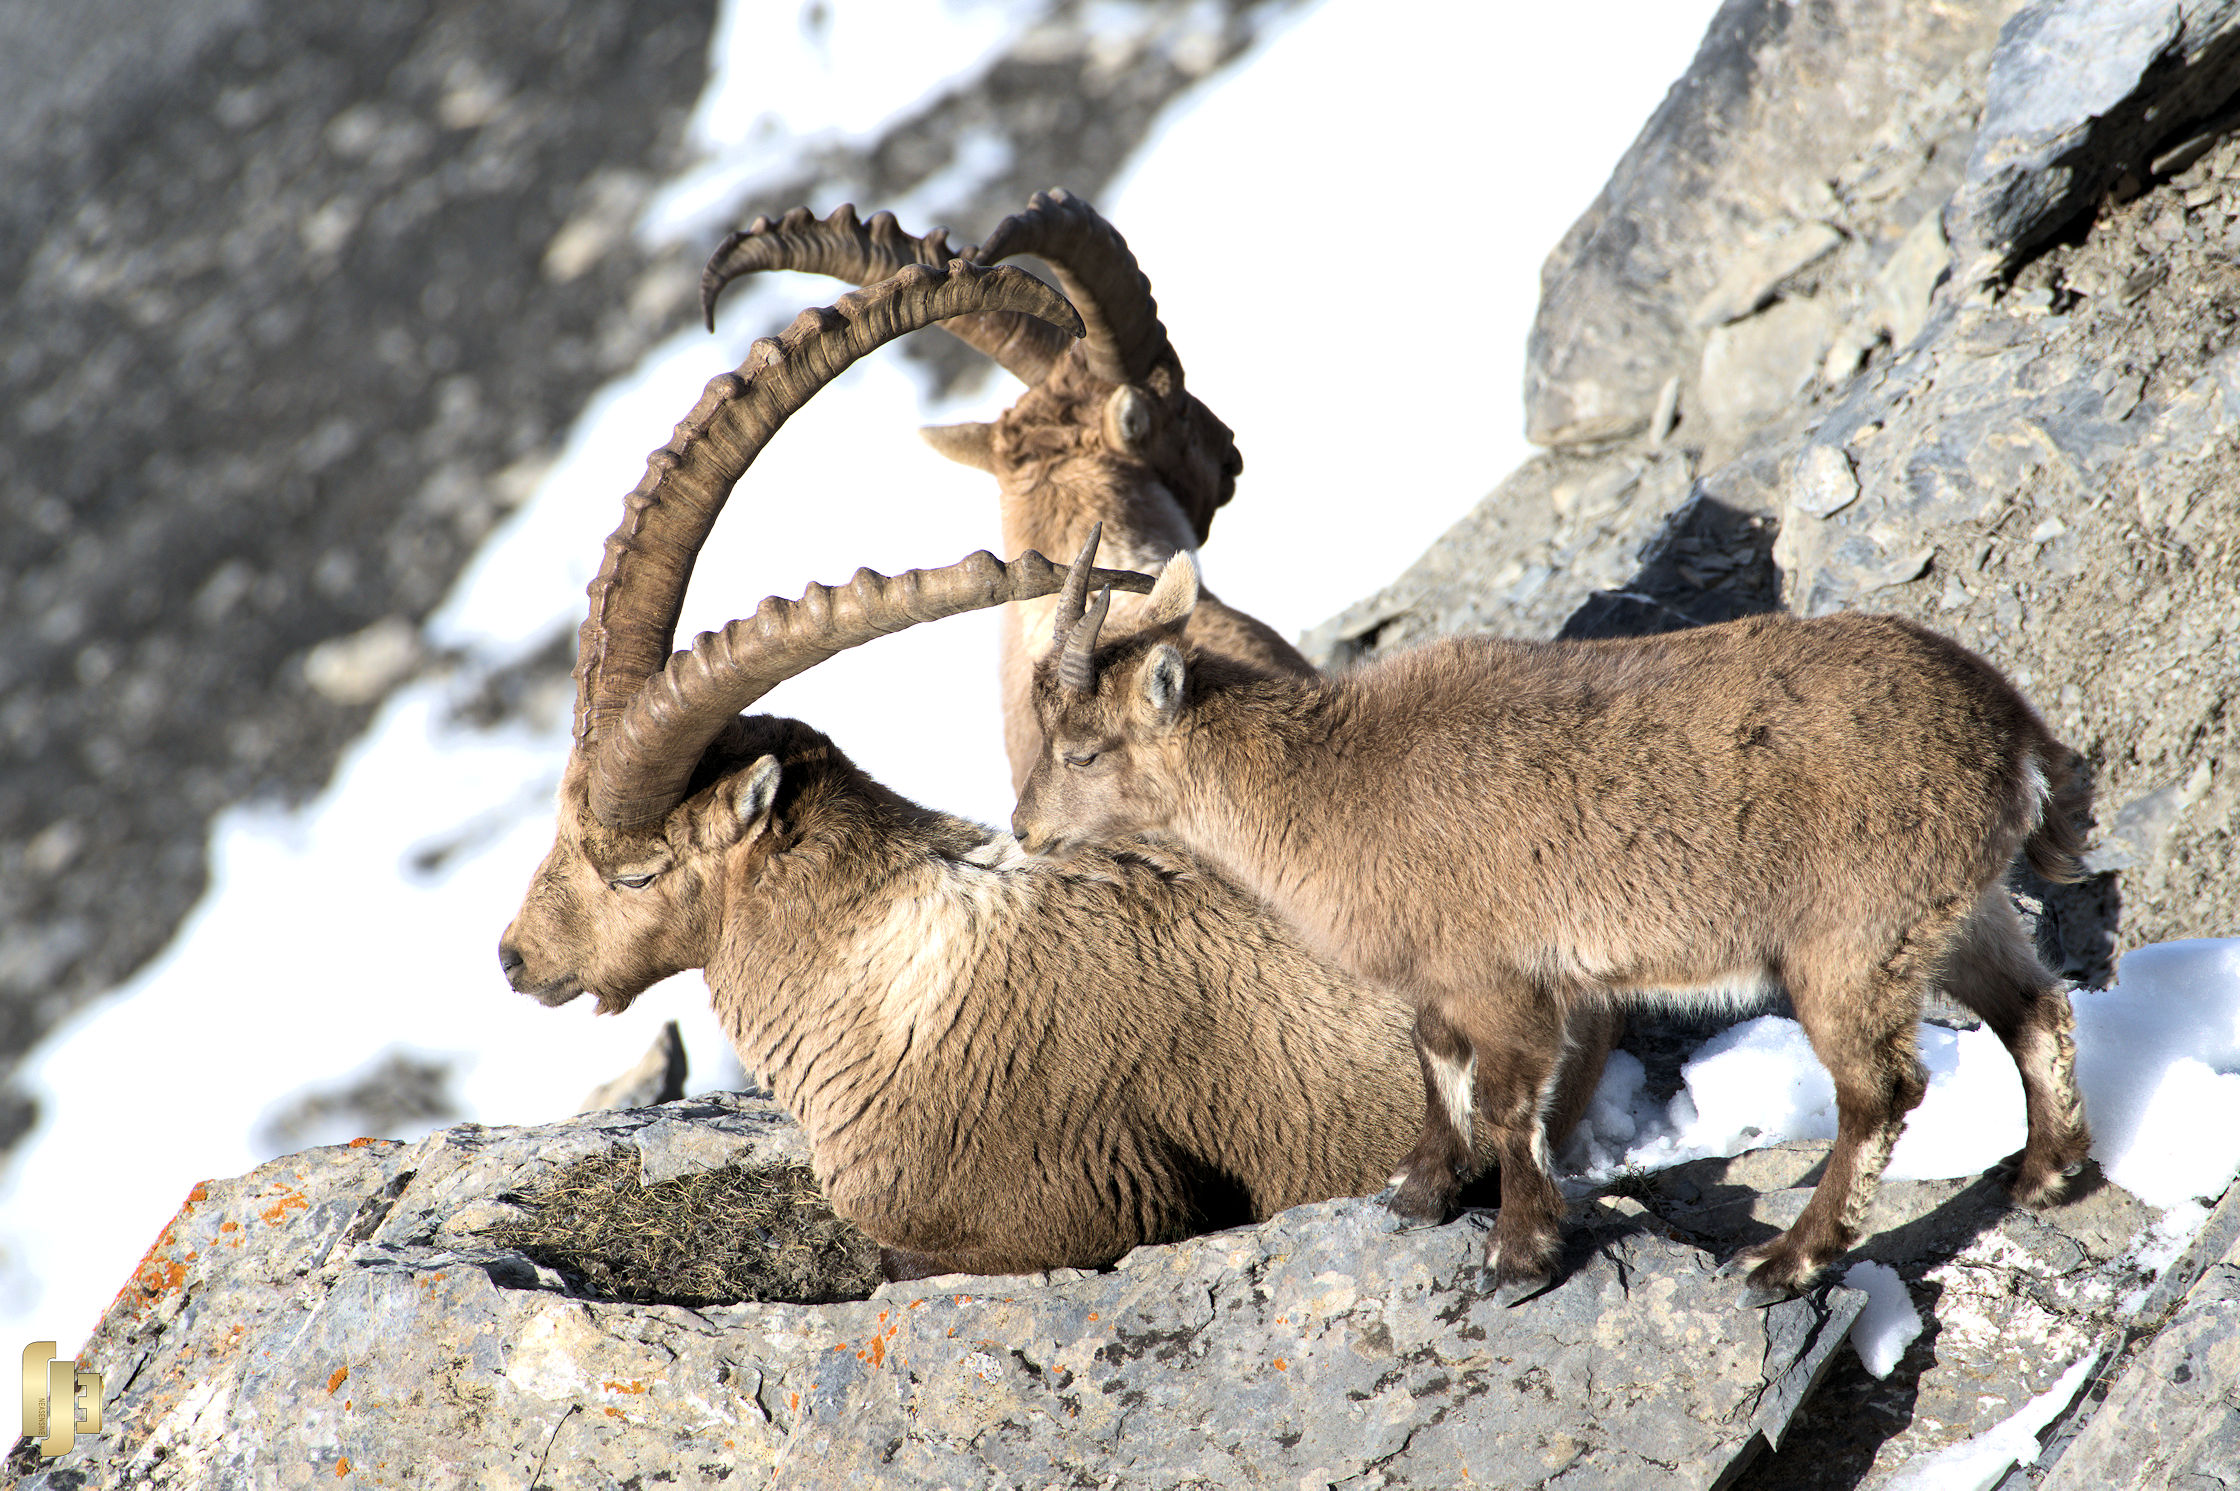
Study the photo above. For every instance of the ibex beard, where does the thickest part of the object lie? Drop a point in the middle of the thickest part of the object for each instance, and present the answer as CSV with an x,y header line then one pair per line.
x,y
1510,833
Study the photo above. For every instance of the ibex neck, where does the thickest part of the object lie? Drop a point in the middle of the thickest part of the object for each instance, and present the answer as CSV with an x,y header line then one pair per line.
x,y
1276,794
852,952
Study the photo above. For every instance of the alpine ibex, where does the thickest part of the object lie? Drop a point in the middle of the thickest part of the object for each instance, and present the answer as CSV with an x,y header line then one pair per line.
x,y
1001,1064
1104,433
1509,831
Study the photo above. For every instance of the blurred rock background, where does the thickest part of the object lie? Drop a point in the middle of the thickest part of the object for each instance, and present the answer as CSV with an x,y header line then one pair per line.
x,y
296,301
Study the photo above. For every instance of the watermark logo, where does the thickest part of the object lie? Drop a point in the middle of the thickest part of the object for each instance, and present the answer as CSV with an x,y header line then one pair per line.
x,y
59,1401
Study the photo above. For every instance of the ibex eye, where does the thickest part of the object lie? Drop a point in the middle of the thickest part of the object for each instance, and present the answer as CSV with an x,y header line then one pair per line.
x,y
631,882
1080,758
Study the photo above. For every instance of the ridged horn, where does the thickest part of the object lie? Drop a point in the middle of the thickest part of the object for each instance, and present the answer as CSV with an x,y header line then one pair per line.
x,y
1075,597
1077,669
636,595
642,771
842,246
1099,274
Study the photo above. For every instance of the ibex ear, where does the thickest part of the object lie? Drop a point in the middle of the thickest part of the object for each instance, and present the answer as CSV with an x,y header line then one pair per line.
x,y
1176,595
1127,419
968,445
739,808
1164,679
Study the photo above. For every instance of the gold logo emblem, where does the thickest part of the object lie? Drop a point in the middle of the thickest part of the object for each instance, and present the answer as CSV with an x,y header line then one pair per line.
x,y
59,1401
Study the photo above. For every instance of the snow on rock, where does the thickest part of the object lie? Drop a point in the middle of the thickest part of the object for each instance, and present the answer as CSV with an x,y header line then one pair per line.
x,y
1889,1323
2158,1060
2158,1056
1977,1464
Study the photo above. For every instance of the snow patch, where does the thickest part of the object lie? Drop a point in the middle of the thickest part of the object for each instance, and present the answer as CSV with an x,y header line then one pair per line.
x,y
1889,1323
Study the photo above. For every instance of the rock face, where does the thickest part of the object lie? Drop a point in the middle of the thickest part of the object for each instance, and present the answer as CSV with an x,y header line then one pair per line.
x,y
2026,441
345,1310
2169,1415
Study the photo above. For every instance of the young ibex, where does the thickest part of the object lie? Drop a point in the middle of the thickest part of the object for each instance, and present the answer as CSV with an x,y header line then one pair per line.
x,y
1507,831
1001,1064
1105,432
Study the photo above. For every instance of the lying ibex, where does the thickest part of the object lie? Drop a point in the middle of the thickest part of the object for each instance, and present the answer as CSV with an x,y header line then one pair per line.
x,y
1001,1064
1104,433
1507,831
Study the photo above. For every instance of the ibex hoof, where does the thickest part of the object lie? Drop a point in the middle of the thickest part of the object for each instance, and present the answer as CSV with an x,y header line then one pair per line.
x,y
1758,1296
1414,1205
1773,1277
1509,1293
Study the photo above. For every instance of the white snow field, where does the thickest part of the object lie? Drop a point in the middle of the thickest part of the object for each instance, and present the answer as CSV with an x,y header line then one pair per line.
x,y
1295,214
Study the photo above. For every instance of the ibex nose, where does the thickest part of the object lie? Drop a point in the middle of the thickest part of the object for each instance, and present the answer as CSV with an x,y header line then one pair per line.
x,y
1031,836
510,959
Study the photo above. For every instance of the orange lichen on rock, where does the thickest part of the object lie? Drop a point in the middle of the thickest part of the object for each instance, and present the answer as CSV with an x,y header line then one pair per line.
x,y
632,1386
290,1199
341,1375
342,1466
158,1275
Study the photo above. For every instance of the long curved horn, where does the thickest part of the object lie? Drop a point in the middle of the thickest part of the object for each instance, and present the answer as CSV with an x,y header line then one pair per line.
x,y
1077,670
643,770
1125,339
862,253
636,595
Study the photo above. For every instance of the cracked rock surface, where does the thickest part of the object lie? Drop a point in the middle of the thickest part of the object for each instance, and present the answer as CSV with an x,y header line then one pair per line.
x,y
342,1309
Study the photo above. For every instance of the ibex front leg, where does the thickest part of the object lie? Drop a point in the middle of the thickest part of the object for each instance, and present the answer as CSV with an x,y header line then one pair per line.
x,y
1492,1066
1430,1177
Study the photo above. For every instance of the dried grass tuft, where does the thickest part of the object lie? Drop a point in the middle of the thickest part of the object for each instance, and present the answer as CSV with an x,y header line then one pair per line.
x,y
717,1237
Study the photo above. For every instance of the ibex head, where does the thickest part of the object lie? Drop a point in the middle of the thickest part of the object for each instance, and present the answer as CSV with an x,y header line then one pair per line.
x,y
1111,719
1114,400
670,801
613,911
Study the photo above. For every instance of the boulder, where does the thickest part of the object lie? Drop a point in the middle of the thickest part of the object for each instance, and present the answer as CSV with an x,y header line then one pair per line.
x,y
366,1310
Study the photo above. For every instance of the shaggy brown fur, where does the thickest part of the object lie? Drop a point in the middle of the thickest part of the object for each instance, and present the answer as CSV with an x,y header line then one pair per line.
x,y
1507,832
1001,1064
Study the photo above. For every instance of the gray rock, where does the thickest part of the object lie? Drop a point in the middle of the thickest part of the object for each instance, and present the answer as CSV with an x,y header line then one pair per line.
x,y
1755,368
658,1077
2009,1299
347,1306
1700,222
1751,277
2081,92
2162,1410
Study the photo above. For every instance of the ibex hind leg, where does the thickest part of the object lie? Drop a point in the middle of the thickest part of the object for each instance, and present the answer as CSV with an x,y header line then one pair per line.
x,y
1995,972
1860,1014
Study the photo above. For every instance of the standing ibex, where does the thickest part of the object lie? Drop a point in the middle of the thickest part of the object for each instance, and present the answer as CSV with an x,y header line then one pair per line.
x,y
1000,1064
1104,433
1507,831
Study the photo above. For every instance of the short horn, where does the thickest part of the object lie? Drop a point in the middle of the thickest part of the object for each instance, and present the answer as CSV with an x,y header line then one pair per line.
x,y
1075,597
1077,669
